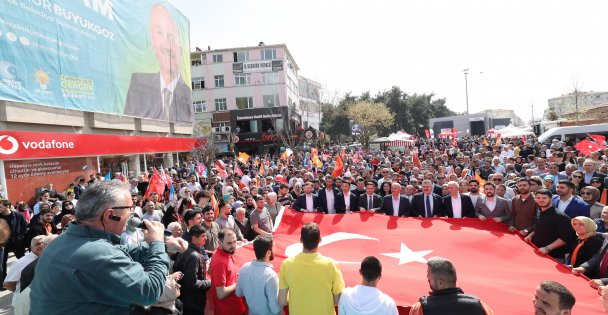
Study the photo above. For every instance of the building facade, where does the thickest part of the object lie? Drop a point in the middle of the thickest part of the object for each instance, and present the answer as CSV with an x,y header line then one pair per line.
x,y
568,103
310,103
260,82
475,124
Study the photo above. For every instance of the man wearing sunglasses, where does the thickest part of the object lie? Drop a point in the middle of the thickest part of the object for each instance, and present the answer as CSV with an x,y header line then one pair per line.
x,y
85,271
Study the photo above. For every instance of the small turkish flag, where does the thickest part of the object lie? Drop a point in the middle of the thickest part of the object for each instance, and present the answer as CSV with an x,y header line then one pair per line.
x,y
491,263
586,147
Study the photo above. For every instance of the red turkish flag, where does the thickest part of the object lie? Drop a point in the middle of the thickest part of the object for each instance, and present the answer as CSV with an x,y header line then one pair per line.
x,y
491,263
157,185
586,147
599,139
238,170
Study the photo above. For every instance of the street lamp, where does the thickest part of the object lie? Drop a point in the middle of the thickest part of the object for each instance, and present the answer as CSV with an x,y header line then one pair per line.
x,y
466,87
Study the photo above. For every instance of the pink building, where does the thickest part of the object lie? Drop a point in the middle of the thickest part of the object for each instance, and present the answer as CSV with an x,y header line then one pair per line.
x,y
241,95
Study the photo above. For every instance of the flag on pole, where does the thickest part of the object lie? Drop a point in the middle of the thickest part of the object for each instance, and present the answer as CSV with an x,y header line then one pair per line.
x,y
243,157
586,147
200,169
416,159
108,176
498,139
599,139
403,245
215,206
485,142
156,185
339,167
286,154
221,168
238,170
171,192
523,138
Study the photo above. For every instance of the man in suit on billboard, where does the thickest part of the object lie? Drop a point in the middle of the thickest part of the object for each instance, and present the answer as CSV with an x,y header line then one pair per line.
x,y
163,95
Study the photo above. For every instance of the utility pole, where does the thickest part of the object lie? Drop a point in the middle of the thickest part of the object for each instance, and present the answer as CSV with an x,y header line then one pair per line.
x,y
532,114
466,87
576,103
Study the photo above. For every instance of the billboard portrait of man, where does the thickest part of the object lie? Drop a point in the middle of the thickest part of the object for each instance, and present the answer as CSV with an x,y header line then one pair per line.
x,y
163,95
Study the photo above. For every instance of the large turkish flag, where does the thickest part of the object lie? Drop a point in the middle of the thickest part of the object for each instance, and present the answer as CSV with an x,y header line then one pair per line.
x,y
490,262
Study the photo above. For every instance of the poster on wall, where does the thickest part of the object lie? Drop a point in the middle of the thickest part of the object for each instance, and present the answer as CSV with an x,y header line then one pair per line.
x,y
116,57
24,178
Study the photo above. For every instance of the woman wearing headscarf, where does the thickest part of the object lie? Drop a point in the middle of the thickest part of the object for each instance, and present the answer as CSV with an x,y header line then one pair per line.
x,y
599,184
590,195
586,245
67,207
272,205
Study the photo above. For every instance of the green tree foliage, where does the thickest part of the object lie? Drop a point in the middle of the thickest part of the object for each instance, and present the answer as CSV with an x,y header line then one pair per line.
x,y
372,116
411,112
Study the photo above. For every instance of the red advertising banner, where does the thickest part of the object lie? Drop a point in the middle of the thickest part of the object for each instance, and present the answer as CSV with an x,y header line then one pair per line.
x,y
26,144
25,178
427,133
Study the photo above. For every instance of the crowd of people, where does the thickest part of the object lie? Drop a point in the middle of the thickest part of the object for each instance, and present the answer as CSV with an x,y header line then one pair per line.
x,y
548,193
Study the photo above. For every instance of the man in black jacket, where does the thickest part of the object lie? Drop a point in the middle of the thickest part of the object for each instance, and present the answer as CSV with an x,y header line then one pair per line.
x,y
193,264
445,295
18,225
43,226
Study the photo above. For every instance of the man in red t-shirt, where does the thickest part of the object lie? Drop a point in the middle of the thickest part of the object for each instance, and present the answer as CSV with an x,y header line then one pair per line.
x,y
223,277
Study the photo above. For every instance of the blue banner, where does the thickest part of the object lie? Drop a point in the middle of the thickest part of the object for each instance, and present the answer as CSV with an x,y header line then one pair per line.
x,y
117,57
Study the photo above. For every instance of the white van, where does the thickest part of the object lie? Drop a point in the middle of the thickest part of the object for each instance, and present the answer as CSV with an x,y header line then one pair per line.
x,y
561,133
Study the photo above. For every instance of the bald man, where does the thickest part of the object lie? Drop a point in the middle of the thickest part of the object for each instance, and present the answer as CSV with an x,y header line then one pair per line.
x,y
162,95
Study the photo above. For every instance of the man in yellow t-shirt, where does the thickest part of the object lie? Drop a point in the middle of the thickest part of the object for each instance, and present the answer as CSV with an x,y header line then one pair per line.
x,y
314,282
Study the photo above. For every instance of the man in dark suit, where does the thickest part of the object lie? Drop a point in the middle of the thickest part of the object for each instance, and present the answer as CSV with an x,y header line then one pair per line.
x,y
457,205
307,202
566,202
346,202
370,200
427,204
589,172
163,95
395,204
327,196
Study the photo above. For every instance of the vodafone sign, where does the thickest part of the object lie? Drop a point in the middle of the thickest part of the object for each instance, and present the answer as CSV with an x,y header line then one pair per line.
x,y
25,144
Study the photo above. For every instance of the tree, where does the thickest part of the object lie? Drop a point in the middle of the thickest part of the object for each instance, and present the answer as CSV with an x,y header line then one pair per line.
x,y
205,151
551,116
372,116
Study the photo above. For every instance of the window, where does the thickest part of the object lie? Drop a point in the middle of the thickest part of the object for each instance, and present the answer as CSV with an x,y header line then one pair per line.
x,y
220,104
219,80
219,124
218,58
279,123
240,56
270,77
267,125
268,54
198,83
196,63
247,126
271,100
200,107
244,102
242,79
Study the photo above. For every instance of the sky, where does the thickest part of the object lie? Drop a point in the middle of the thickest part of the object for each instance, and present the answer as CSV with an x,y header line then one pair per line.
x,y
519,53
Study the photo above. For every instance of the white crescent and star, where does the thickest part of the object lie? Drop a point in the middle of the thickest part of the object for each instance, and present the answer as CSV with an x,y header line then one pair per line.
x,y
405,255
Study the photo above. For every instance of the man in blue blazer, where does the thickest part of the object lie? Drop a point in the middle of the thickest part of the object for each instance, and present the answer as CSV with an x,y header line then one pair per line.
x,y
346,201
566,202
420,201
396,204
327,196
307,202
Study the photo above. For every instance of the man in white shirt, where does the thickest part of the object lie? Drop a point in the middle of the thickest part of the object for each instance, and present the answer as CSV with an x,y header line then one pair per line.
x,y
457,205
193,184
365,298
11,282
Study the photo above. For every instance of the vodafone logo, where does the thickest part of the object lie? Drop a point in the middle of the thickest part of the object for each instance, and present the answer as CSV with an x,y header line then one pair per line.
x,y
12,149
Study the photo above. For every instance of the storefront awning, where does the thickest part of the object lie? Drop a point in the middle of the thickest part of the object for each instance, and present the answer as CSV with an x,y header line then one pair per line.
x,y
27,144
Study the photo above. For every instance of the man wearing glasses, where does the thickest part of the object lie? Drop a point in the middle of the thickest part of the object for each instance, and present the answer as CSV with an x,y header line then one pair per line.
x,y
499,178
85,271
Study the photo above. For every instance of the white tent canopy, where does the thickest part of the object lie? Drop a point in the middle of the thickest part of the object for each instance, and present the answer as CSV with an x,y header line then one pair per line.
x,y
513,132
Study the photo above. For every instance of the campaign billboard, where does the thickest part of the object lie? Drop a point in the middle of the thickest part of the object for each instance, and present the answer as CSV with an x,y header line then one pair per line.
x,y
117,57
